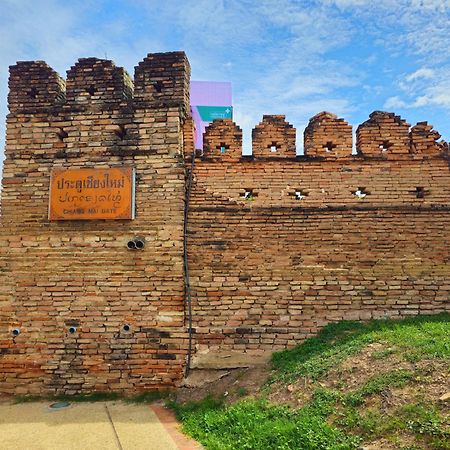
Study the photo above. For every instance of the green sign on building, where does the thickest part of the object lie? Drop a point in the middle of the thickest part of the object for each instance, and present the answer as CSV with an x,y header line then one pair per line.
x,y
210,113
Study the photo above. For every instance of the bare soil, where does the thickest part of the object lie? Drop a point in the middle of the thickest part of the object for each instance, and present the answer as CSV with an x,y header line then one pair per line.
x,y
232,386
432,381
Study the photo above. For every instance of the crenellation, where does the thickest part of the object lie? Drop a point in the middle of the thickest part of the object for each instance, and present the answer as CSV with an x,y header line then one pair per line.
x,y
95,84
34,87
162,80
424,140
222,141
273,138
327,136
383,135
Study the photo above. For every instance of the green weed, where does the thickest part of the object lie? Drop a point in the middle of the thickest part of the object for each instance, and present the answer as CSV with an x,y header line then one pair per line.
x,y
144,397
241,391
415,338
148,397
384,353
394,378
256,425
423,422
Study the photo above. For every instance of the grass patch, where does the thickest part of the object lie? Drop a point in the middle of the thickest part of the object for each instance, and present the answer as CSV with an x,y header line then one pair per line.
x,y
381,354
424,422
256,425
335,419
316,356
376,385
241,391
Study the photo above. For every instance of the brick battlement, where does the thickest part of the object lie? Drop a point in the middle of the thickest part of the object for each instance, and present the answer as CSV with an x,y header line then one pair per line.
x,y
277,244
93,84
383,136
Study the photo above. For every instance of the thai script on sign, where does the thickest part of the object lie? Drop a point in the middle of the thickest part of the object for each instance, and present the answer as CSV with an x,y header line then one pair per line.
x,y
91,182
87,194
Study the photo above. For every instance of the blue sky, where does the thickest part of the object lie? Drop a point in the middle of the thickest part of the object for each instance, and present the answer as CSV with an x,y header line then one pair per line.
x,y
290,57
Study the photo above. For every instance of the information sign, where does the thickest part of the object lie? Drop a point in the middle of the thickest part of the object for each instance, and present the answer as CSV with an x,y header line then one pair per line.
x,y
90,194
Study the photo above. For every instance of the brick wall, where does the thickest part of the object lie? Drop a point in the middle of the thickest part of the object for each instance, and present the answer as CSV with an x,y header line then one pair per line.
x,y
321,237
80,273
278,244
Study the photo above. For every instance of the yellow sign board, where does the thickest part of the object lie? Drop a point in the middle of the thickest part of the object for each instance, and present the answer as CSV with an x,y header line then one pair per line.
x,y
90,194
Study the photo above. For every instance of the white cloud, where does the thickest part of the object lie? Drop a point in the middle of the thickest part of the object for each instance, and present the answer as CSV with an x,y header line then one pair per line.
x,y
424,88
438,5
423,100
417,27
424,72
380,5
395,102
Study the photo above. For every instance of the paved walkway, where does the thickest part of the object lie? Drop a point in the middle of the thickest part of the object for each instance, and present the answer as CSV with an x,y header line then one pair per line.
x,y
90,426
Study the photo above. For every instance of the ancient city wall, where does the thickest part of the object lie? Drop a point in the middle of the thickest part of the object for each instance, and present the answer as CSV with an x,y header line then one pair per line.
x,y
278,245
281,244
127,306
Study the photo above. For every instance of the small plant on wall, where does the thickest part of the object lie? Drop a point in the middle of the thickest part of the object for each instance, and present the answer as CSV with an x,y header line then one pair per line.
x,y
248,195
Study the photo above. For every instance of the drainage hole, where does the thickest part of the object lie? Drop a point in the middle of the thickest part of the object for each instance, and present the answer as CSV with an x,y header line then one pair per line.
x,y
59,405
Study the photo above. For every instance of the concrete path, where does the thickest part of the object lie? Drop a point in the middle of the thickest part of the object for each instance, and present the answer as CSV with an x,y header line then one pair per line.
x,y
90,426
